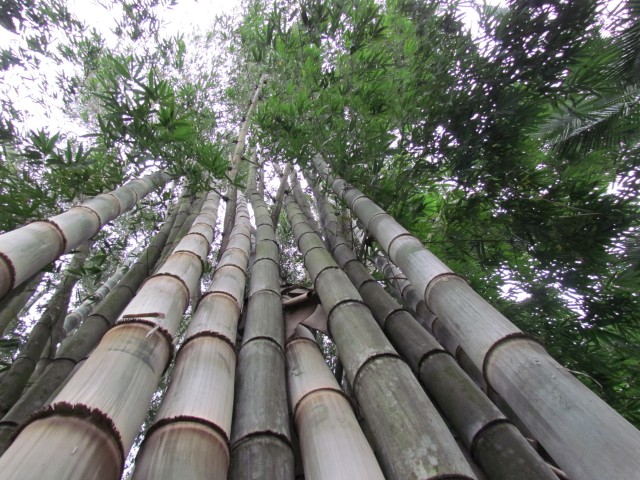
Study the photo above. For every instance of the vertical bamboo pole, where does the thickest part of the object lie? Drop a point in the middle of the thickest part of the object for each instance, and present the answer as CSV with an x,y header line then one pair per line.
x,y
260,439
411,440
277,203
190,435
13,305
76,347
24,251
93,420
585,436
494,443
332,443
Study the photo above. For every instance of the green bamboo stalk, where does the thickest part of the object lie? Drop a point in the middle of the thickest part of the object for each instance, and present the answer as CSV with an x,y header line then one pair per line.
x,y
411,440
277,203
332,444
76,347
93,420
28,249
585,436
494,443
13,382
17,300
260,438
189,438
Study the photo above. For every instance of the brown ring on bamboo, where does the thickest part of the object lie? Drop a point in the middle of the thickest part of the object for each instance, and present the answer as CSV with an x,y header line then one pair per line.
x,y
431,283
9,424
271,290
482,430
12,272
83,412
186,418
262,433
267,258
194,233
407,234
339,304
211,334
176,277
135,194
232,265
307,233
66,359
269,240
158,328
309,250
100,222
262,337
63,237
213,229
118,202
231,249
430,353
500,342
221,293
373,358
395,310
321,389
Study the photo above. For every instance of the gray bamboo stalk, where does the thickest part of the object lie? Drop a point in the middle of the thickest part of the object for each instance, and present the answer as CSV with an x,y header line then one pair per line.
x,y
93,421
186,206
277,204
76,347
11,311
301,199
584,435
410,438
234,164
28,249
83,310
494,443
189,438
260,439
13,382
331,441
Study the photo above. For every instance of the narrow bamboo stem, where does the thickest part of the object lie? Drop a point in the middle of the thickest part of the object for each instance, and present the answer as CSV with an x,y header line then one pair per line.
x,y
332,444
552,403
26,250
411,439
277,203
197,407
76,347
260,439
17,303
113,387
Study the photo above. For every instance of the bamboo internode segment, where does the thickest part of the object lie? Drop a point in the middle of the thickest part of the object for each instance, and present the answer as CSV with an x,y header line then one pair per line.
x,y
585,436
119,377
260,439
26,250
76,347
332,443
193,424
411,439
483,429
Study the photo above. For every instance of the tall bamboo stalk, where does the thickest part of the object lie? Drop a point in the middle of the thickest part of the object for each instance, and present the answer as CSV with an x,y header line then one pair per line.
x,y
12,383
411,440
332,444
190,435
260,439
93,420
277,203
234,163
17,301
26,250
494,443
76,347
585,436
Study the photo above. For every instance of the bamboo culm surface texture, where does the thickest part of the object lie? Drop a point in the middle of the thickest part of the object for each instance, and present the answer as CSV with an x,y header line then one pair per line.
x,y
28,249
410,438
76,347
494,443
586,437
190,436
260,439
331,441
92,422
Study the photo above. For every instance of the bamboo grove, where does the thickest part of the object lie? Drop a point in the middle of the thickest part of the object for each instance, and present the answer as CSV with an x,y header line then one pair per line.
x,y
255,262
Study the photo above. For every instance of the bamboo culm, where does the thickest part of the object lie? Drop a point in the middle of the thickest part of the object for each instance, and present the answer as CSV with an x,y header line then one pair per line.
x,y
190,435
494,443
17,301
28,249
584,435
410,438
84,339
93,420
260,439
